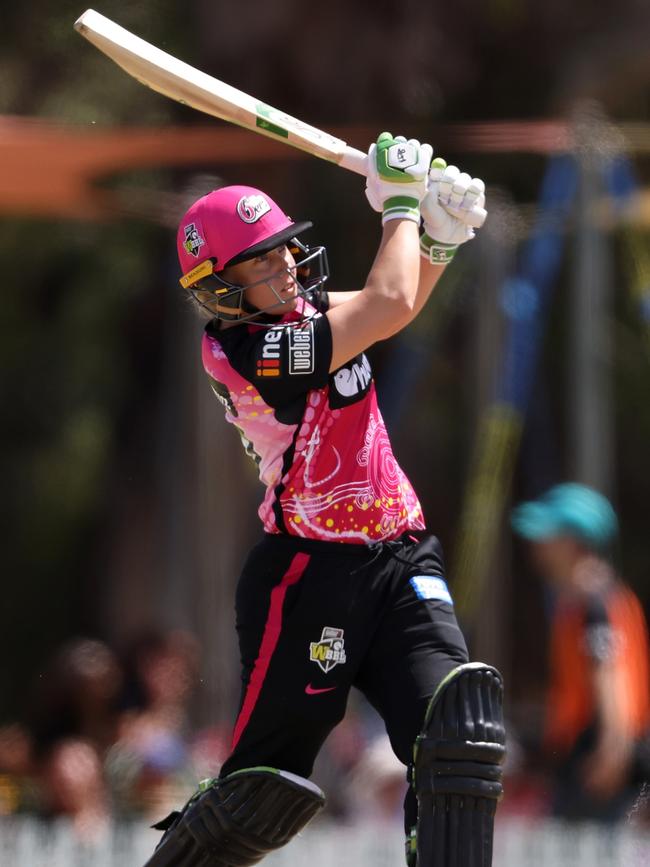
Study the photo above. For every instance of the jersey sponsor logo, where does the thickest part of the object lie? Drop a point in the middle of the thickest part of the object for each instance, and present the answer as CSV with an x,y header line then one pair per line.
x,y
354,378
269,363
251,208
330,650
193,240
268,367
350,382
431,587
301,349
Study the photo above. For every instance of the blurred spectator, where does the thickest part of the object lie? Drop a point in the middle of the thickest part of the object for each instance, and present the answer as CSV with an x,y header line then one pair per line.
x,y
336,763
525,791
74,786
77,695
74,723
16,769
152,758
598,708
378,785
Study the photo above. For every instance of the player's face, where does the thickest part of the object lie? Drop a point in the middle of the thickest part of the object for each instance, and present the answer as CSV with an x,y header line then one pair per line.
x,y
555,558
271,278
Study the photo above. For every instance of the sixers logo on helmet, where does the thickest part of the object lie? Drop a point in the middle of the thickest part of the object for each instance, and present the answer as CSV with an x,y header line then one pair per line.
x,y
251,208
193,241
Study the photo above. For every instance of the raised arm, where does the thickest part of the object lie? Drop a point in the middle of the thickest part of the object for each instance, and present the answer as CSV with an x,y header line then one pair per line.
x,y
386,303
397,183
446,209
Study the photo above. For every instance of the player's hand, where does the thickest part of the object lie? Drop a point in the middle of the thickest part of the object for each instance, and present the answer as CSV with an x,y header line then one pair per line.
x,y
447,211
397,176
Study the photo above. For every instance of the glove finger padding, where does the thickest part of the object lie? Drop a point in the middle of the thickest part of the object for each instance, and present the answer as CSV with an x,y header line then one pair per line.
x,y
459,191
447,181
443,225
437,170
449,211
475,195
468,207
372,191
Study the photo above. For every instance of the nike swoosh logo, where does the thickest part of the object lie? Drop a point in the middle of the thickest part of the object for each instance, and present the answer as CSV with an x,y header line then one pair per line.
x,y
310,690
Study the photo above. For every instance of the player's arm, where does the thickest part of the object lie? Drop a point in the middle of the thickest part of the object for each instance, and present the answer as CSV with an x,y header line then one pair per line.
x,y
446,209
429,276
386,302
606,767
336,298
396,184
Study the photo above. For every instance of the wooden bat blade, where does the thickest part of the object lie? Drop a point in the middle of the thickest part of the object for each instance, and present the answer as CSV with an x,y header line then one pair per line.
x,y
178,80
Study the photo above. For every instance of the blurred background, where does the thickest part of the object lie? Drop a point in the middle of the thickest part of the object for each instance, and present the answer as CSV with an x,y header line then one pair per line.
x,y
129,506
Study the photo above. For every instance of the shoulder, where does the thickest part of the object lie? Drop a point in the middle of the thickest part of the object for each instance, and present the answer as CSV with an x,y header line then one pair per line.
x,y
213,345
283,359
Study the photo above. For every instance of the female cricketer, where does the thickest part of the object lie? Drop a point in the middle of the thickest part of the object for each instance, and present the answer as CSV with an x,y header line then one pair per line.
x,y
346,588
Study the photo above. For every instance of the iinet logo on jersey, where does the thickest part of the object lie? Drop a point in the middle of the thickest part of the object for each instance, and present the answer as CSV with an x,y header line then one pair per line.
x,y
269,363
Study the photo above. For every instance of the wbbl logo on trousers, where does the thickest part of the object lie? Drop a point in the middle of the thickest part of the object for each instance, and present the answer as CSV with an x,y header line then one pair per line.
x,y
330,650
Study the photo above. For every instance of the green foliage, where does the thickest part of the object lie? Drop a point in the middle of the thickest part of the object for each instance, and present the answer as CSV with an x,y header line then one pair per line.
x,y
48,69
68,295
70,290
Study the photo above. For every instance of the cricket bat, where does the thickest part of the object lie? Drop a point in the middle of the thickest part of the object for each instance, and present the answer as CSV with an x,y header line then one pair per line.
x,y
178,80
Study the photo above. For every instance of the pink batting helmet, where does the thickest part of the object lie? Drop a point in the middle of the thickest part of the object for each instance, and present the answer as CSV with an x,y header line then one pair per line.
x,y
230,225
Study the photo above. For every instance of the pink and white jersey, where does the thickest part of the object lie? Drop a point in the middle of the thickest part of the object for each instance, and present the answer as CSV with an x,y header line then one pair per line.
x,y
318,437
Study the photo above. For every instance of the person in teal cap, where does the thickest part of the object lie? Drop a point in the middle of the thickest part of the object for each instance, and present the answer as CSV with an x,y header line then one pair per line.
x,y
598,703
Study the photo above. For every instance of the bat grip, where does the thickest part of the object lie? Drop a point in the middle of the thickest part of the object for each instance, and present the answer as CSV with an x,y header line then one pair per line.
x,y
356,161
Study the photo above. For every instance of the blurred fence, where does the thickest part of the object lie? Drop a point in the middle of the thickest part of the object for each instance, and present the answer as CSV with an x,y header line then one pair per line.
x,y
26,842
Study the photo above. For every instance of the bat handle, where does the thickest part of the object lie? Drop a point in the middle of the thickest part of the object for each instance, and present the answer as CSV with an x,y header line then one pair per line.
x,y
356,161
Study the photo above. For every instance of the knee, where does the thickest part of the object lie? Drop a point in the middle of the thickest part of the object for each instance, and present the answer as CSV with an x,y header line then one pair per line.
x,y
463,723
457,769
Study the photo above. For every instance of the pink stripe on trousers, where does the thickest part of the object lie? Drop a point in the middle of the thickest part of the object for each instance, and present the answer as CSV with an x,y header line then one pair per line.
x,y
270,639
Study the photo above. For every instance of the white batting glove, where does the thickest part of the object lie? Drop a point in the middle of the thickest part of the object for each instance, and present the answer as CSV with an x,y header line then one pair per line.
x,y
446,210
397,176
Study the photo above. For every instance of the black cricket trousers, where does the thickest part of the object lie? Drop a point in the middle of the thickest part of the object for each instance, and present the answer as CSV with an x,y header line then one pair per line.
x,y
315,618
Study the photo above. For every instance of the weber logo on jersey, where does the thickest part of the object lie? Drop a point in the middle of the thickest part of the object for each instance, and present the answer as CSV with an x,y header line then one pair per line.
x,y
301,349
330,650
